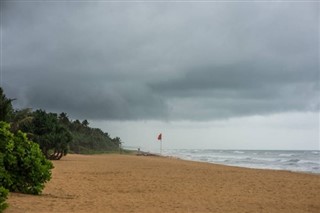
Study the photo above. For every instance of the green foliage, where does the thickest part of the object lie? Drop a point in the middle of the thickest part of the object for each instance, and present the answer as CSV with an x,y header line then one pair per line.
x,y
3,197
6,109
20,118
56,135
3,191
87,140
25,169
52,136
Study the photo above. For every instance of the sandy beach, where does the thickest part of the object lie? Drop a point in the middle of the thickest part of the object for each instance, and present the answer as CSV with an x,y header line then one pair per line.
x,y
127,183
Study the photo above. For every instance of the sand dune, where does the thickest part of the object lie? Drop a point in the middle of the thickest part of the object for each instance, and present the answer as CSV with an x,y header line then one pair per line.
x,y
124,183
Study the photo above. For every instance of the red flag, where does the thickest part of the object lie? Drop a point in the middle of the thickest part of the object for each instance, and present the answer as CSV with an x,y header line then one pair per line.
x,y
160,137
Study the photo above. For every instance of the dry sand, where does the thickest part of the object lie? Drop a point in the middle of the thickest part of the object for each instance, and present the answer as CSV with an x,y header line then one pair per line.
x,y
124,183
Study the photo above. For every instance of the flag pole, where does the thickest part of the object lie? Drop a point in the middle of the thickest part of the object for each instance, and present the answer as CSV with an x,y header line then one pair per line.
x,y
160,139
161,146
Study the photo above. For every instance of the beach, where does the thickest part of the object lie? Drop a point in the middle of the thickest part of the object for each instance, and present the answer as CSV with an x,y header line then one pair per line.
x,y
129,183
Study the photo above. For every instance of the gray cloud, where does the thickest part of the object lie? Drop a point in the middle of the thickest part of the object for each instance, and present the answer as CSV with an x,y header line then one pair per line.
x,y
132,61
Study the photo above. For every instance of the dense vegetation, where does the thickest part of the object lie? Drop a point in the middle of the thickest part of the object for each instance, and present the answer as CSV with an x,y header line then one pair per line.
x,y
3,197
29,138
44,128
89,140
56,134
24,168
3,191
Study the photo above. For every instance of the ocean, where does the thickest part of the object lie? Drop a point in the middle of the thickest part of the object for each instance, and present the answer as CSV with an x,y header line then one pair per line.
x,y
297,161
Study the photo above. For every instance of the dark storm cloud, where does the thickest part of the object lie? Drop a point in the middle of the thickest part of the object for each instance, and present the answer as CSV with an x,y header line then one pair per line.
x,y
107,60
240,90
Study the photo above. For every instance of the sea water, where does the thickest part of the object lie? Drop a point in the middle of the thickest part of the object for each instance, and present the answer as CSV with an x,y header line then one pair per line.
x,y
298,161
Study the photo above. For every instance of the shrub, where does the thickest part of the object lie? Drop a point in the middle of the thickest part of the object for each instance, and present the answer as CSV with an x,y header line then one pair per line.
x,y
3,197
26,169
4,179
3,191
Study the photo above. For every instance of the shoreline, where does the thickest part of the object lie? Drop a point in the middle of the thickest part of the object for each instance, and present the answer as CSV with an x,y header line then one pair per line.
x,y
226,165
129,183
243,167
294,161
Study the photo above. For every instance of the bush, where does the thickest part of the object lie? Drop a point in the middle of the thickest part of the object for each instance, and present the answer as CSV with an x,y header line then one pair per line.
x,y
3,197
3,191
4,179
26,169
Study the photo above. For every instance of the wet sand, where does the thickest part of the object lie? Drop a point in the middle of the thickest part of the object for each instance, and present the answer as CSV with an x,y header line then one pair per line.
x,y
127,183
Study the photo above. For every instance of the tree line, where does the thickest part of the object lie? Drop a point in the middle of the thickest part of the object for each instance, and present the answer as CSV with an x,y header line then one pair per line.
x,y
56,134
30,138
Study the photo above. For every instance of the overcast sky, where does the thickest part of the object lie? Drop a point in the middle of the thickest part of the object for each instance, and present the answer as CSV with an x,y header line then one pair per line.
x,y
225,75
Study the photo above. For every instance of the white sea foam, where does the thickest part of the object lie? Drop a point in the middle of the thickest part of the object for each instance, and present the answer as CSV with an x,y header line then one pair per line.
x,y
286,155
302,161
238,152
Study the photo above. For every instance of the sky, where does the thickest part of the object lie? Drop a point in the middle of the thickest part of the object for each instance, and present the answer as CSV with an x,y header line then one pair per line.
x,y
205,74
